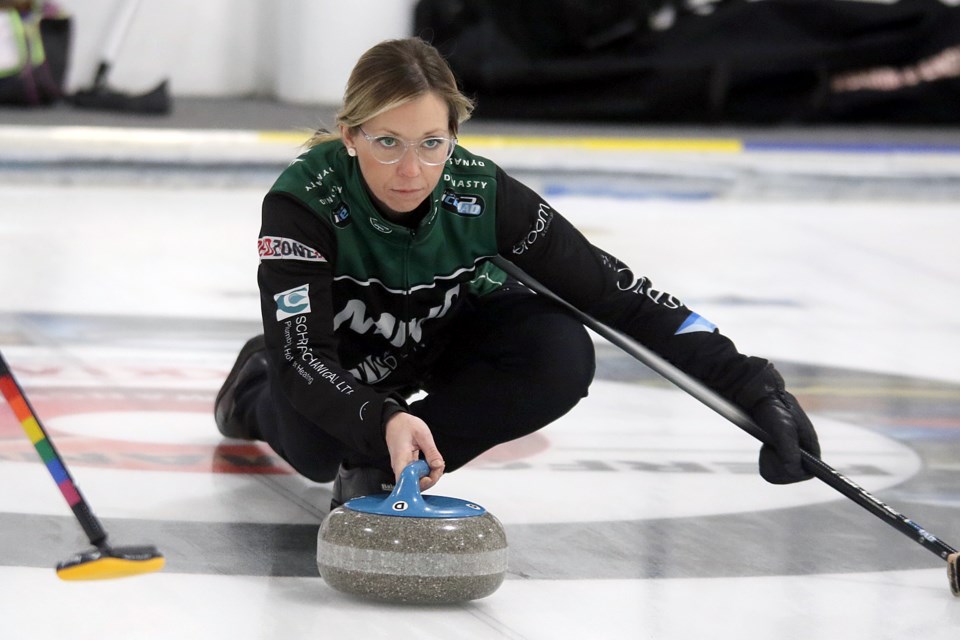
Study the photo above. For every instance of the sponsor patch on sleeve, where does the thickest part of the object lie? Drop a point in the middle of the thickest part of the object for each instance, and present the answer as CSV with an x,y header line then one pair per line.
x,y
293,302
695,323
277,248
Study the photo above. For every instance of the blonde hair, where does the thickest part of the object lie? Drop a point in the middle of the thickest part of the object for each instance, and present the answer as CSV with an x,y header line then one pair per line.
x,y
392,73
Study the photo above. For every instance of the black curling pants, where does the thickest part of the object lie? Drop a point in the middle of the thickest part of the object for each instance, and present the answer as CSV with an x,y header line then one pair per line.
x,y
516,364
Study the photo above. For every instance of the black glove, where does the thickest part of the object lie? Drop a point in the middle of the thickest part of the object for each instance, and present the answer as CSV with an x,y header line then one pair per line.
x,y
779,415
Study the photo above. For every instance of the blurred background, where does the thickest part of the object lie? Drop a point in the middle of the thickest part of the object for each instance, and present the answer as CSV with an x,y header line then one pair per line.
x,y
633,61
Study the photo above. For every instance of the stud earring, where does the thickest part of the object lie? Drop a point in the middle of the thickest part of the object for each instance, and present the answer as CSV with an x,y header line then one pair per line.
x,y
351,152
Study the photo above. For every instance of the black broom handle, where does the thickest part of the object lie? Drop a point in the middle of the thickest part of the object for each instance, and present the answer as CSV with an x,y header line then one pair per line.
x,y
737,416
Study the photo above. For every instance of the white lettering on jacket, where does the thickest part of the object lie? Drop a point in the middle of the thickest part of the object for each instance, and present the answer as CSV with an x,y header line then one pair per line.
x,y
464,184
539,229
387,325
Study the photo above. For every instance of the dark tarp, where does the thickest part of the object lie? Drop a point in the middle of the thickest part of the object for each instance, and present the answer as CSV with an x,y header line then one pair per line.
x,y
766,61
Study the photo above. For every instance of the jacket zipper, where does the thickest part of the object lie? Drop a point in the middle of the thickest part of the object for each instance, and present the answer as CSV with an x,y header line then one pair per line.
x,y
407,250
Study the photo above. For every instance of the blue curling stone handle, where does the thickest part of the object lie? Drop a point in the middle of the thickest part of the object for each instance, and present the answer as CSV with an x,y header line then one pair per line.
x,y
406,501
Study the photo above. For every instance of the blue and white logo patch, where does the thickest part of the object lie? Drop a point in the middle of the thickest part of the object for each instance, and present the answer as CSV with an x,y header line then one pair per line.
x,y
341,215
694,324
460,204
293,302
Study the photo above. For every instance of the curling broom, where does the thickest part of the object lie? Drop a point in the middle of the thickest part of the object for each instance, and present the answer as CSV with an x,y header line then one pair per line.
x,y
103,561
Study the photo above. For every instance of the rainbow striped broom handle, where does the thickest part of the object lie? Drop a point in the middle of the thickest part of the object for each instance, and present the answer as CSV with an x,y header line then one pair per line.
x,y
48,453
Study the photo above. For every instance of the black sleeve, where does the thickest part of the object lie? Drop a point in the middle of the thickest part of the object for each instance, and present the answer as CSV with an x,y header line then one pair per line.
x,y
536,238
297,252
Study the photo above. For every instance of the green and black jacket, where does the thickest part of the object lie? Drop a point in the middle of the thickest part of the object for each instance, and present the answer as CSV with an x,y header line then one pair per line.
x,y
355,305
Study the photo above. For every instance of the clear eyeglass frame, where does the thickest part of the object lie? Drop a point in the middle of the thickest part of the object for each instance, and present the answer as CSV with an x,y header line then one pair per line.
x,y
385,154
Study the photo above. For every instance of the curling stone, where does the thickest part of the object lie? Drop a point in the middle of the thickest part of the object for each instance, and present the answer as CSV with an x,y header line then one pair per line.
x,y
412,548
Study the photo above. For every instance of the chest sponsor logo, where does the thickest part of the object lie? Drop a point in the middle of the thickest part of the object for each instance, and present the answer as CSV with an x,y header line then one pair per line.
x,y
316,181
293,302
467,162
340,215
277,248
358,319
460,183
379,226
463,205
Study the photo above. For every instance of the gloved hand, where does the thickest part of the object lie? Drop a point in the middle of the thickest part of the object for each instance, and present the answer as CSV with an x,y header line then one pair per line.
x,y
780,416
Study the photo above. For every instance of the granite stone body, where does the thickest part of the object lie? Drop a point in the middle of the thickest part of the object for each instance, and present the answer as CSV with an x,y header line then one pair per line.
x,y
411,559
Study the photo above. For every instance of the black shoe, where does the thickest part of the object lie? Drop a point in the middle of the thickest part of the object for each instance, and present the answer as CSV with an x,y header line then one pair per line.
x,y
250,366
360,481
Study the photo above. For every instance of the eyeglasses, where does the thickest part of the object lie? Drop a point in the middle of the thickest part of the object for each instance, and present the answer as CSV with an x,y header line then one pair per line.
x,y
391,149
